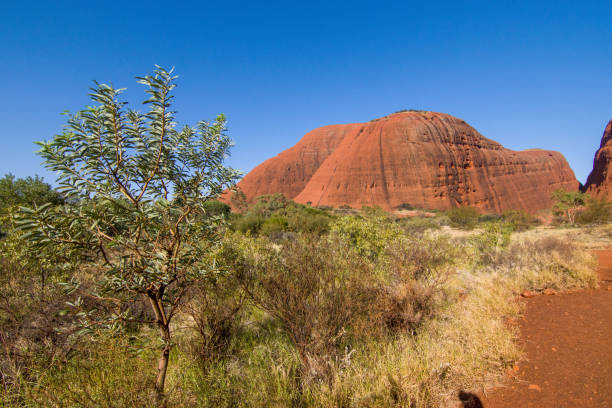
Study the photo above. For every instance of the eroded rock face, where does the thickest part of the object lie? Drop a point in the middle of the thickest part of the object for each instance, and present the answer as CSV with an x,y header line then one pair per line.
x,y
292,169
430,160
599,182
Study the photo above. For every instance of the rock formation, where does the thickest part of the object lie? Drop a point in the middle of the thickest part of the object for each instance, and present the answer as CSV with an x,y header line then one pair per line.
x,y
599,182
430,160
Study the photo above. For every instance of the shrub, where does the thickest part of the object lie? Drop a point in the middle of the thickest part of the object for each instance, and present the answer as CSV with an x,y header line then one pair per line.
x,y
368,235
311,285
216,306
596,211
239,201
488,244
309,222
29,191
274,215
463,217
249,223
405,206
418,225
414,270
274,224
266,205
489,218
519,220
215,208
553,262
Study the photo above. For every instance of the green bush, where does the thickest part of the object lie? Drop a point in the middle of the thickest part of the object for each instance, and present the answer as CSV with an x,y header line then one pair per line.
x,y
596,211
29,191
313,286
489,243
309,223
216,307
274,224
266,205
368,235
519,220
274,214
463,217
248,223
217,208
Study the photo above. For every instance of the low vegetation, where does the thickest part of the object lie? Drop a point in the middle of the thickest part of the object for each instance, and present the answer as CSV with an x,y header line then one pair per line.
x,y
272,304
369,313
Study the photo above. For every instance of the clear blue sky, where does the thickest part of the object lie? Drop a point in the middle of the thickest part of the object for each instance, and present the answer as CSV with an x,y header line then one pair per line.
x,y
527,74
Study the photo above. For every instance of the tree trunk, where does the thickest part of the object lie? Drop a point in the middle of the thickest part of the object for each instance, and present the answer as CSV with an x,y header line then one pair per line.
x,y
162,364
160,382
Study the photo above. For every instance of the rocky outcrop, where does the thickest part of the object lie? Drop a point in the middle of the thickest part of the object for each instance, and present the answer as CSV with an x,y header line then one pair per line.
x,y
291,170
599,182
430,160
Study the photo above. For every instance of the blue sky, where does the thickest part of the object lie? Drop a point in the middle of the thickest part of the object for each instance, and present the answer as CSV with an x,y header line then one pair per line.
x,y
526,74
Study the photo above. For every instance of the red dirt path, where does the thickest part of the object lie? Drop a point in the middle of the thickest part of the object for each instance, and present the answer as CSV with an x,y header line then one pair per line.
x,y
568,343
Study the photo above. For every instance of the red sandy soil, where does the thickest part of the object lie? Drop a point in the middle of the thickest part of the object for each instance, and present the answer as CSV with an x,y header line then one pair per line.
x,y
568,342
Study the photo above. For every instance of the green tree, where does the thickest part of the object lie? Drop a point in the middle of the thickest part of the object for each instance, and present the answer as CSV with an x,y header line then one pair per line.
x,y
567,204
140,188
28,191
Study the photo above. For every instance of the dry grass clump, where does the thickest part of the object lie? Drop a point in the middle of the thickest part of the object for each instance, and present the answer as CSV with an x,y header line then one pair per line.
x,y
107,373
547,262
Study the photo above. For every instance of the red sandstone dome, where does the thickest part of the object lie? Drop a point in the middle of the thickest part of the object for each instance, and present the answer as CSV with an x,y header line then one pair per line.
x,y
599,182
427,159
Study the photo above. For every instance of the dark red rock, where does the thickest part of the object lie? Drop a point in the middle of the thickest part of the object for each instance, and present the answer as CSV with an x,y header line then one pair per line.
x,y
599,182
430,160
528,294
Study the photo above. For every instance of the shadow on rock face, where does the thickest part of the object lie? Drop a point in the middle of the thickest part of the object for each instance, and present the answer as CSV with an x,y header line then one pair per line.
x,y
469,400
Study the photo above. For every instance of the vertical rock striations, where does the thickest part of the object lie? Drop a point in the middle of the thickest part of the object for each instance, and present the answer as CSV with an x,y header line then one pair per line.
x,y
599,182
430,160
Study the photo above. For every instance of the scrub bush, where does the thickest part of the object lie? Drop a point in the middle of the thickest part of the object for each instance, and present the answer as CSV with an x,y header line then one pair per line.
x,y
463,217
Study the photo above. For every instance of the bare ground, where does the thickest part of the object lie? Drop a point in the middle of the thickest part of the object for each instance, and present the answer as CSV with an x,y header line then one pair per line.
x,y
568,343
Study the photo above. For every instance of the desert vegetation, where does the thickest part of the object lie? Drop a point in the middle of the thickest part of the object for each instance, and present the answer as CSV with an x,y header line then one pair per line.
x,y
132,286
